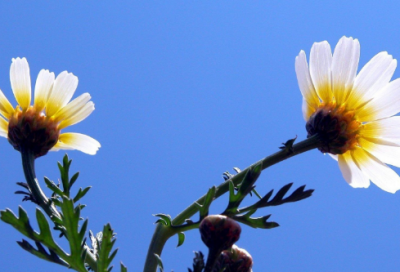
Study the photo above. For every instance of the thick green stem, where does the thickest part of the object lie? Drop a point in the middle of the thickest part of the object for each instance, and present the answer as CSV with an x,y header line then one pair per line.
x,y
28,164
162,233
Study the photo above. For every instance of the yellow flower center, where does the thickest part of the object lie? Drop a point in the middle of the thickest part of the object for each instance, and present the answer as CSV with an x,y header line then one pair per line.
x,y
32,131
337,127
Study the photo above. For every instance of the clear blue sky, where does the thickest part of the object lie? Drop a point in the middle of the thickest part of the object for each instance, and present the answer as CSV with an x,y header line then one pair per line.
x,y
185,90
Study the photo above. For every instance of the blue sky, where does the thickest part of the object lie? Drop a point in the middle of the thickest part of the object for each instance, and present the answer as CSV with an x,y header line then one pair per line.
x,y
185,90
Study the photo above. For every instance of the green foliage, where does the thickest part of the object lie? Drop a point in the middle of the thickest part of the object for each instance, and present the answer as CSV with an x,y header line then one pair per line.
x,y
69,222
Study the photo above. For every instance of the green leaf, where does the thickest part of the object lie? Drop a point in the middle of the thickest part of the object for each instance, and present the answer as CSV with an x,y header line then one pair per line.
x,y
181,239
165,219
81,193
52,186
207,202
41,253
123,268
258,222
105,247
159,262
73,179
71,219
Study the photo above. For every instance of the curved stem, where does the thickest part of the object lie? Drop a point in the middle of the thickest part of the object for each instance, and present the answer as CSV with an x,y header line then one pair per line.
x,y
162,233
28,163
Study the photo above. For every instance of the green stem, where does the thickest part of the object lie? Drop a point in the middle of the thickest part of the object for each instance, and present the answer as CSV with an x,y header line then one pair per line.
x,y
163,233
28,164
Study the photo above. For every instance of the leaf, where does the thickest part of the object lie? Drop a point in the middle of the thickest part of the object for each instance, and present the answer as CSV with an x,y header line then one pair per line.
x,y
104,252
258,222
165,219
123,268
41,253
159,262
52,186
81,193
203,210
181,239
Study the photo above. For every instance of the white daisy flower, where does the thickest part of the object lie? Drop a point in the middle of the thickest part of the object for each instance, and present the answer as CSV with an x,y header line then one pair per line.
x,y
37,128
353,113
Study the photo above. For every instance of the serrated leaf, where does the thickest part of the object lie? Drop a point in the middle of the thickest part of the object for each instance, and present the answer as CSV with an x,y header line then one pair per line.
x,y
52,186
105,247
81,193
281,193
41,253
207,202
181,239
258,222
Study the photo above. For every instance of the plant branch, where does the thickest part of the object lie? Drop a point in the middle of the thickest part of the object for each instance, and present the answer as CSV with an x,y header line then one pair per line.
x,y
163,233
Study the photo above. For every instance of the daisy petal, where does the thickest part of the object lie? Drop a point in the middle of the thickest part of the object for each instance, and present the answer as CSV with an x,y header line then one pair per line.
x,y
335,157
344,67
374,76
385,104
304,79
73,107
79,142
379,173
21,82
79,116
385,151
388,129
6,109
63,90
320,70
351,172
44,83
3,128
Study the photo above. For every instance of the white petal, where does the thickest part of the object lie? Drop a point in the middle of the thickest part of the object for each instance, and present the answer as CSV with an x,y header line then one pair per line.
x,y
79,116
3,128
63,90
72,108
79,142
373,77
320,70
304,79
379,173
344,67
21,82
385,151
335,157
386,103
351,172
388,129
6,109
44,83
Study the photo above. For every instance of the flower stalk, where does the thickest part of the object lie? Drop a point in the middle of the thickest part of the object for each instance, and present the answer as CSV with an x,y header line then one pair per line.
x,y
163,233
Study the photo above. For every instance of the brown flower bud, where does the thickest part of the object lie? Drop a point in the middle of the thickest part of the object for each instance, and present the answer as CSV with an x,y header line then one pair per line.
x,y
234,259
219,231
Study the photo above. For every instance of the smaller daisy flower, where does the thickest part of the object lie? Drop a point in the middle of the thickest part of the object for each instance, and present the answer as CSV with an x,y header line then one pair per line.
x,y
37,128
353,115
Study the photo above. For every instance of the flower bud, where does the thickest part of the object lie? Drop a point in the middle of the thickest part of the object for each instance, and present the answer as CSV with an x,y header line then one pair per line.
x,y
219,231
234,259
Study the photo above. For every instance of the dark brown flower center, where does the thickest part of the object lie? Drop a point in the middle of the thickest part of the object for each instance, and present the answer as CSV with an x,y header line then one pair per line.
x,y
32,131
337,127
